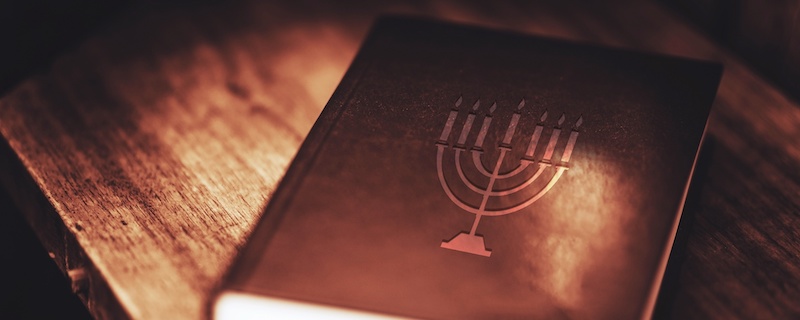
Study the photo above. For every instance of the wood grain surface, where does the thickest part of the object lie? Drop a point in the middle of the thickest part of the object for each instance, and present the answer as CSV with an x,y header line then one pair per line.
x,y
144,156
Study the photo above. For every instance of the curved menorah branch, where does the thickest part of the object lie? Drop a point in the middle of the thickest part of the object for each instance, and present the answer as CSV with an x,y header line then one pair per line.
x,y
522,185
559,171
496,193
456,200
478,211
476,158
463,177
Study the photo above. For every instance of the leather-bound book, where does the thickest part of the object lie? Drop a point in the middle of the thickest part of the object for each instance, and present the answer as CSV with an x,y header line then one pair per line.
x,y
465,173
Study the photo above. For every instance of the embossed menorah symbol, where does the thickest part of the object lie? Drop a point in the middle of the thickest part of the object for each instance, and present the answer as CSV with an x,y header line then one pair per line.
x,y
470,242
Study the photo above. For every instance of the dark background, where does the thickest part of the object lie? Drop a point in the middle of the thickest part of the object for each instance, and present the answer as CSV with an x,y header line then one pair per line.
x,y
766,34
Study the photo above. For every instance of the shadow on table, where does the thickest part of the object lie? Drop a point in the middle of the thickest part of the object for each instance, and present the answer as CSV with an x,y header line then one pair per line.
x,y
32,287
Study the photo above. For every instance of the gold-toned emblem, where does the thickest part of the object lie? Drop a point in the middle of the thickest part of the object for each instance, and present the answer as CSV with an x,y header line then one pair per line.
x,y
471,242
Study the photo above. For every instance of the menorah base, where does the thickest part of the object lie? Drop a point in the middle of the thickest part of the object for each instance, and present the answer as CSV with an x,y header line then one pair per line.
x,y
468,243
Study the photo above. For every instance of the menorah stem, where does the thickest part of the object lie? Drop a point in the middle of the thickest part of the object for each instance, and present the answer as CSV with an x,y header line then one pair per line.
x,y
475,224
489,187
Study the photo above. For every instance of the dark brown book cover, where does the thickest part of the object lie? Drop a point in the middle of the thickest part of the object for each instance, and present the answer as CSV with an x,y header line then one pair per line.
x,y
465,173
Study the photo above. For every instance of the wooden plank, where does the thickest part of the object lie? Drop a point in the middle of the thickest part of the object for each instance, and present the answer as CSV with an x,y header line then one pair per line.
x,y
145,155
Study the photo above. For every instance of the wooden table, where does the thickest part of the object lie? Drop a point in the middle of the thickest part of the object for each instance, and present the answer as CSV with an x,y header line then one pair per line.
x,y
143,156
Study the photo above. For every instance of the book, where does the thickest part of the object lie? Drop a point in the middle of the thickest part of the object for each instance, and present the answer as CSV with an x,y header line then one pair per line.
x,y
459,172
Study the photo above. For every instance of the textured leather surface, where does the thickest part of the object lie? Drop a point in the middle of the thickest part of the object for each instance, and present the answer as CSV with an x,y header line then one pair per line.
x,y
361,221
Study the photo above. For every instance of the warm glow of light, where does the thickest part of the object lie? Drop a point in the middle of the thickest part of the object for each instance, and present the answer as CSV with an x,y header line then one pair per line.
x,y
268,102
230,114
583,240
239,306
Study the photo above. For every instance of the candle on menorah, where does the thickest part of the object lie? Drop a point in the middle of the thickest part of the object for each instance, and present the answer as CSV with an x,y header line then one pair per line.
x,y
512,126
468,124
551,146
487,121
573,137
451,119
537,133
